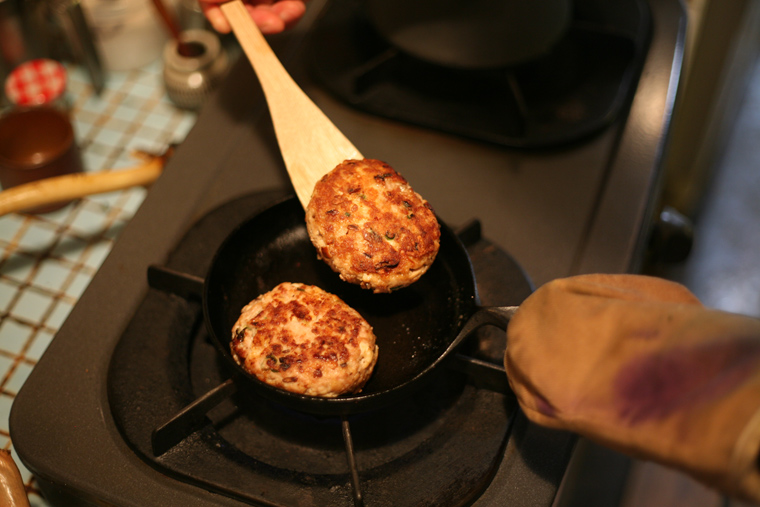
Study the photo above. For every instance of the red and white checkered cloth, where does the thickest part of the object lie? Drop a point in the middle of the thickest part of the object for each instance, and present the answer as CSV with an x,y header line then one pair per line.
x,y
37,82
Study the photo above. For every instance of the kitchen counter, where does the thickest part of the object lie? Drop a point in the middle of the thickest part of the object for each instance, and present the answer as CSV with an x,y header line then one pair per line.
x,y
47,261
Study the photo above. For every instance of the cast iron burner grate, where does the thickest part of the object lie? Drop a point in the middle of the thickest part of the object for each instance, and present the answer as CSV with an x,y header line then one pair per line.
x,y
440,446
576,90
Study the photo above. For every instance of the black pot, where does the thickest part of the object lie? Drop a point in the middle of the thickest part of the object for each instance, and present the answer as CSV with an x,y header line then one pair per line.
x,y
472,34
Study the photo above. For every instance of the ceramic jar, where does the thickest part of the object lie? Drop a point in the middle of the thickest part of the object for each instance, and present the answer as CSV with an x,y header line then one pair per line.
x,y
190,78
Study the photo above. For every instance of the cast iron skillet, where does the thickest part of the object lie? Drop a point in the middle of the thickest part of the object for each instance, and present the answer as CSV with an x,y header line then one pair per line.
x,y
416,327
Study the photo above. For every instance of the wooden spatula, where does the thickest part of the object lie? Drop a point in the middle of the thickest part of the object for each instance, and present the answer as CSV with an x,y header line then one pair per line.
x,y
311,145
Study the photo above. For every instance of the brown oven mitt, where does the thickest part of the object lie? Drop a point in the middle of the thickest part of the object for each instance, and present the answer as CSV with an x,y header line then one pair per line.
x,y
638,364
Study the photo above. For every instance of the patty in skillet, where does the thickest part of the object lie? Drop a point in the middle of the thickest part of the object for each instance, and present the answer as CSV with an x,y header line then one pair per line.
x,y
369,226
302,339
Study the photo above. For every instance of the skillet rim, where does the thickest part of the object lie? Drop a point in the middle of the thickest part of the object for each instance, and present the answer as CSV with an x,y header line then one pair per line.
x,y
352,403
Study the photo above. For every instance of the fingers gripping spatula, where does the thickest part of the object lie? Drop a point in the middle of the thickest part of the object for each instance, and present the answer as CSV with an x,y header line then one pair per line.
x,y
311,145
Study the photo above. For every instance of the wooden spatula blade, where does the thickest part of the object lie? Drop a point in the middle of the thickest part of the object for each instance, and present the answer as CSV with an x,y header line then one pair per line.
x,y
311,145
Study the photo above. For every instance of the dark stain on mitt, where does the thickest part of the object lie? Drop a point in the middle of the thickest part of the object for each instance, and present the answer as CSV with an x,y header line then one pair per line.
x,y
655,386
543,406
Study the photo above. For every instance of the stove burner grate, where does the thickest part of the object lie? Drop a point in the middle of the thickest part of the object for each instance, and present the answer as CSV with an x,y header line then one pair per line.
x,y
440,446
574,91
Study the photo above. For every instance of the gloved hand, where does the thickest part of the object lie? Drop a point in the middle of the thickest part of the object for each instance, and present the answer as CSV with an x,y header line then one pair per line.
x,y
638,364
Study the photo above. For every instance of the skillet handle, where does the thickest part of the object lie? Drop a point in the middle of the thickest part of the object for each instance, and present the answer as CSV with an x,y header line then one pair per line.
x,y
494,315
490,376
490,315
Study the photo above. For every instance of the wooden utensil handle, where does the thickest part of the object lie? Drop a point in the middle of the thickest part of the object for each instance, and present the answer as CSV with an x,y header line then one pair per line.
x,y
310,143
12,492
73,186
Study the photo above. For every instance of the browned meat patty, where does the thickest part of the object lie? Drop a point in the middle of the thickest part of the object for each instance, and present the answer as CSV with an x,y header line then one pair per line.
x,y
302,339
369,226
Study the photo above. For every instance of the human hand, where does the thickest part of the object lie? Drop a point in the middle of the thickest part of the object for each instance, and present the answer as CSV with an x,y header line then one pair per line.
x,y
271,16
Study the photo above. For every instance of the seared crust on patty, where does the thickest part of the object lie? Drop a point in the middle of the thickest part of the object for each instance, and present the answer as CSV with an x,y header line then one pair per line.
x,y
302,339
369,226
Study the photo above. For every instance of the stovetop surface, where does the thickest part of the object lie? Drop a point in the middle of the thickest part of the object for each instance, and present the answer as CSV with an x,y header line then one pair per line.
x,y
581,208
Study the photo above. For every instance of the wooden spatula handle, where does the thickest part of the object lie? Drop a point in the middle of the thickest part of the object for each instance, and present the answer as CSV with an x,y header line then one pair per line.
x,y
310,143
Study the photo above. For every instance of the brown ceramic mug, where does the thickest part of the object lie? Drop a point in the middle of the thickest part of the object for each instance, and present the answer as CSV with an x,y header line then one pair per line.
x,y
37,143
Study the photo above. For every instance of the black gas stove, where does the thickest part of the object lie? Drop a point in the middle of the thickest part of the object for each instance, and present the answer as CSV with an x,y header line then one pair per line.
x,y
131,356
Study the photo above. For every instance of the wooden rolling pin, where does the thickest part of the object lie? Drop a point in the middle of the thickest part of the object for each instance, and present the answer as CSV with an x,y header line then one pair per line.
x,y
74,186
